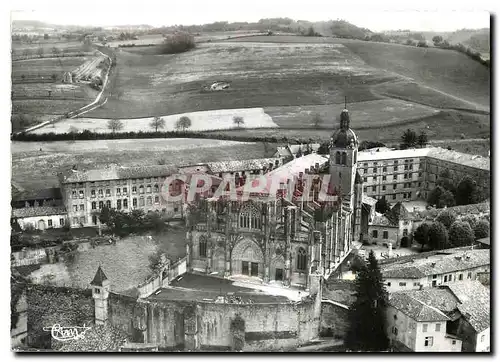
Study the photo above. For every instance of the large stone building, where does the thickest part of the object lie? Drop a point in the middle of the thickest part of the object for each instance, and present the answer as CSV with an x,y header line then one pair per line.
x,y
278,239
405,175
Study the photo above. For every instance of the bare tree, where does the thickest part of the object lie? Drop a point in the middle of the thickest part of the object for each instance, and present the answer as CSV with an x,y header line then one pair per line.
x,y
156,123
115,125
183,123
316,120
40,52
238,121
55,51
26,52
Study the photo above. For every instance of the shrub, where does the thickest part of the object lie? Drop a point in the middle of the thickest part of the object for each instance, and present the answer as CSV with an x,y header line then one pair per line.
x,y
177,43
438,236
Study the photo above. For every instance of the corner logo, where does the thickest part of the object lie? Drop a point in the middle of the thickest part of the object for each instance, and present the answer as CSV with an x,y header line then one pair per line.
x,y
64,334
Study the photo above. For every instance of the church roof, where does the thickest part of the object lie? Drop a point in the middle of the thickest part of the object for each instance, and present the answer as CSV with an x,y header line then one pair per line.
x,y
99,277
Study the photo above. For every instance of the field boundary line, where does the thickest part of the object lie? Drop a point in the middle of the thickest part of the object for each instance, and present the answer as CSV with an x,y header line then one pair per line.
x,y
83,109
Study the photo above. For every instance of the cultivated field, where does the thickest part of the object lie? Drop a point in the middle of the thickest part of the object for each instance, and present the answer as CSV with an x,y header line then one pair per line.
x,y
35,164
38,93
294,77
201,121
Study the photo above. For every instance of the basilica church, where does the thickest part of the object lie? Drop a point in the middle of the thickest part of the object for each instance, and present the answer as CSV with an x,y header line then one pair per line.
x,y
287,237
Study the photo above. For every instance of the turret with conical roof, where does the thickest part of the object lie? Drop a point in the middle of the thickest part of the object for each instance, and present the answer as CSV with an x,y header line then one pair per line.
x,y
100,292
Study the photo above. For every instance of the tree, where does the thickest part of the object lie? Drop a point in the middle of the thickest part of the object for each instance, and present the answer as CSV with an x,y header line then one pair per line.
x,y
410,42
183,123
422,44
437,40
441,197
482,229
316,120
177,43
422,139
445,180
438,236
238,121
357,264
40,52
447,218
367,315
55,51
467,192
156,123
115,125
409,139
26,52
45,36
461,234
421,235
382,206
471,220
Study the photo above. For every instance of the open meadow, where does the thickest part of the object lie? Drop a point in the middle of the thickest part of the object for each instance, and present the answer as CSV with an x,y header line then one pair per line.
x,y
200,121
293,78
35,165
38,93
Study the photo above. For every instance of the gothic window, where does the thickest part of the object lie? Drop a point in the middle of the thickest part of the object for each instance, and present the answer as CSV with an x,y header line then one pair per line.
x,y
344,158
203,247
250,218
337,158
301,259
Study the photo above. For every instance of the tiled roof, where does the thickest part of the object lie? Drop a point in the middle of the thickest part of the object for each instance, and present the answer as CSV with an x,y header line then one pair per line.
x,y
470,298
398,212
303,147
38,211
298,165
381,220
50,193
416,309
440,298
369,200
434,152
283,151
437,264
242,165
463,210
118,173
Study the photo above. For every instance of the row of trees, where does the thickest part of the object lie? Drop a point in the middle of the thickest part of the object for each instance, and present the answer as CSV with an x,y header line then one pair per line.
x,y
177,43
410,139
158,123
444,44
449,193
41,52
447,231
136,221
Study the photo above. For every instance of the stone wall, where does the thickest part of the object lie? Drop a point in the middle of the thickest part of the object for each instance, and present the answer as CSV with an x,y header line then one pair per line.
x,y
48,305
334,320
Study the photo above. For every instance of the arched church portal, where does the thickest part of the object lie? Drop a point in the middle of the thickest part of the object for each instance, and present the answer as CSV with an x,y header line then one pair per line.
x,y
247,259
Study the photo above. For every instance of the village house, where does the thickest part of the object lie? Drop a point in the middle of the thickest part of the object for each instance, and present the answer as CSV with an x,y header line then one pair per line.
x,y
40,217
436,269
289,152
395,227
451,318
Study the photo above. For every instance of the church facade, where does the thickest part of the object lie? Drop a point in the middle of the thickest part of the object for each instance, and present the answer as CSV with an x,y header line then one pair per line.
x,y
282,239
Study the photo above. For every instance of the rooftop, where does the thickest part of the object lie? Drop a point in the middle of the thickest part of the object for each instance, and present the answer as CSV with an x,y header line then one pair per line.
x,y
298,165
118,173
437,264
46,194
38,211
196,287
242,165
439,153
416,309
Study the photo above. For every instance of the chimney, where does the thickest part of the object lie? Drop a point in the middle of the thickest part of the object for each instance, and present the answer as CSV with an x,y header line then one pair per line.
x,y
277,163
270,166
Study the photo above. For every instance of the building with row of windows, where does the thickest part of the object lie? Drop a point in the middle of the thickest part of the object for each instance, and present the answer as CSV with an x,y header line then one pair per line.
x,y
406,175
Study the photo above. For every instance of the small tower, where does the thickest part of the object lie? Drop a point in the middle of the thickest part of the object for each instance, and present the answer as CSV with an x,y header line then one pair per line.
x,y
358,206
100,292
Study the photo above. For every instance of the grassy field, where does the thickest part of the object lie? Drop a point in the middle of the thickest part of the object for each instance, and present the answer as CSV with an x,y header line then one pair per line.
x,y
35,164
126,264
293,77
444,124
38,91
200,121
